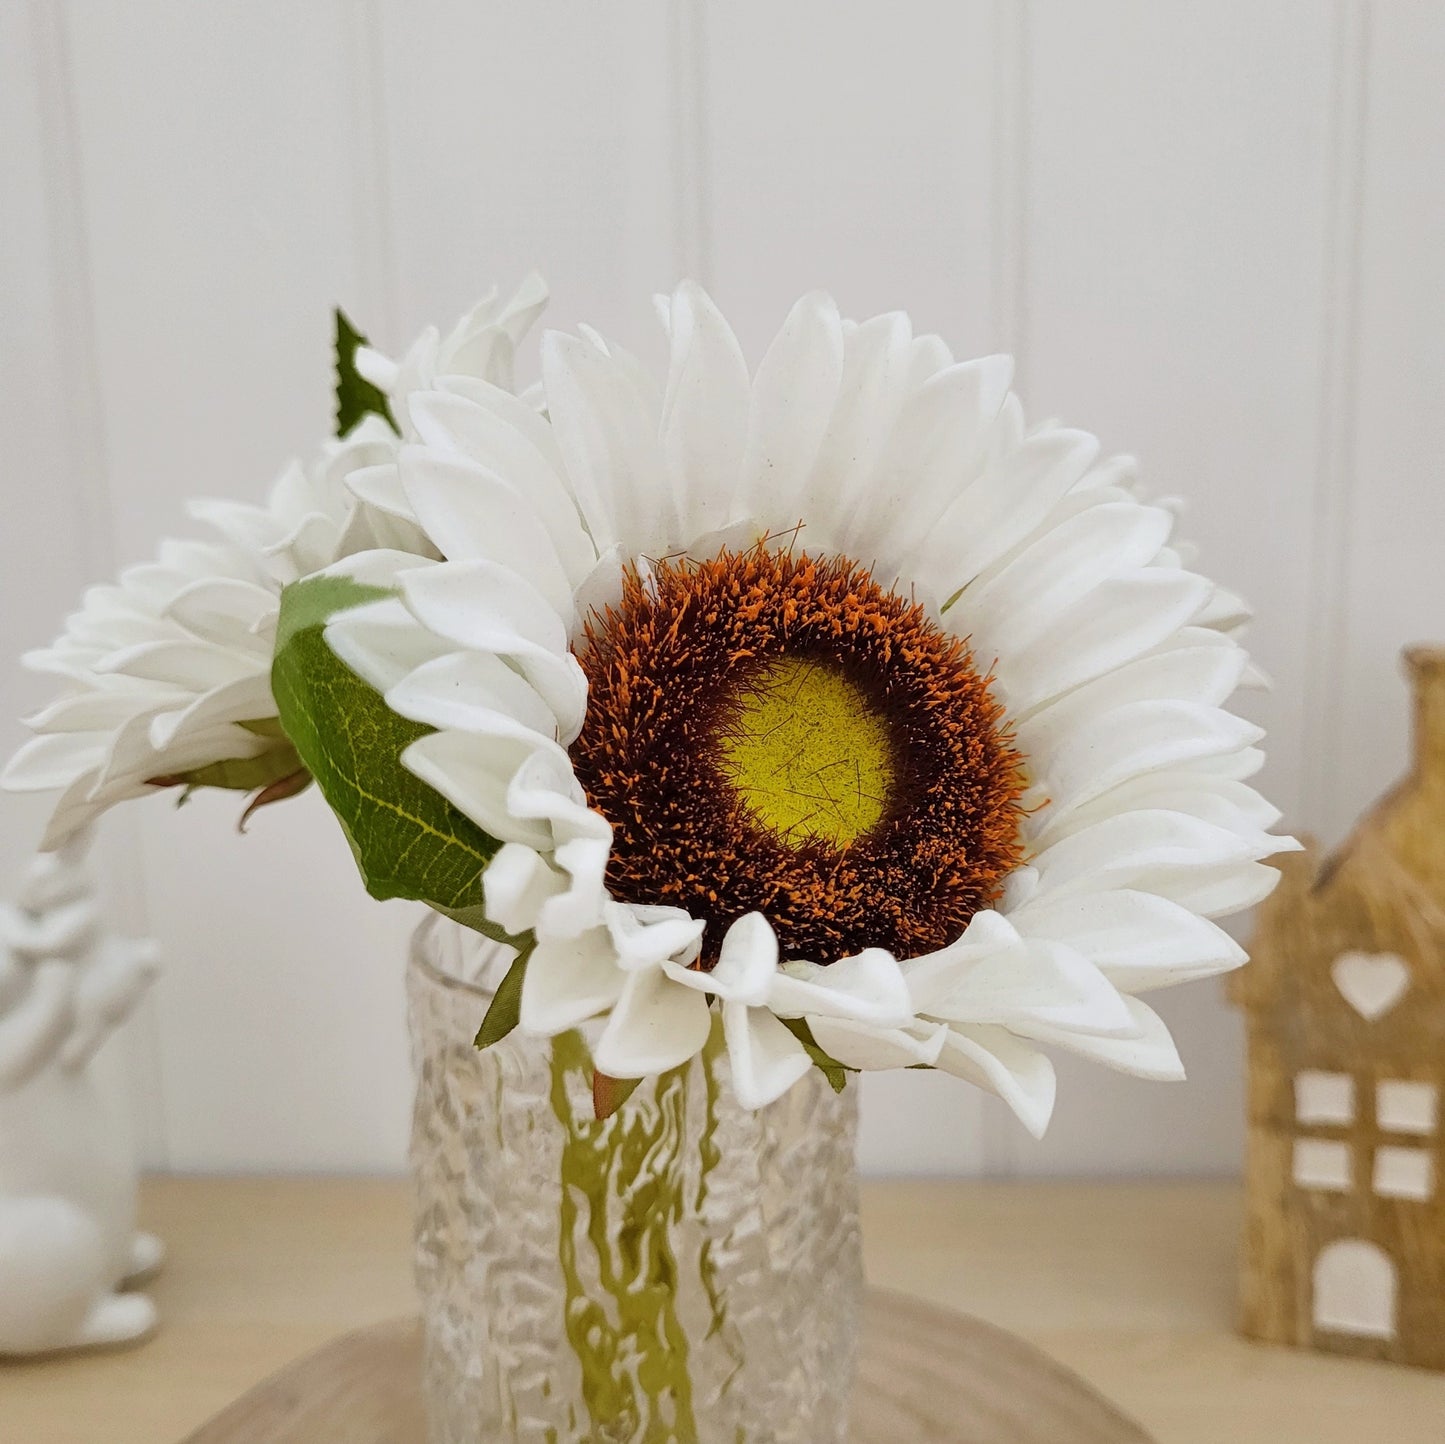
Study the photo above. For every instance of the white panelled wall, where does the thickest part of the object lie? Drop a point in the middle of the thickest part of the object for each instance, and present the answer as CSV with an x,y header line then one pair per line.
x,y
1214,234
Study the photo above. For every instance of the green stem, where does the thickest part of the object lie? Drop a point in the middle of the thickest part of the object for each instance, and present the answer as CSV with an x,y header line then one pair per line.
x,y
622,1192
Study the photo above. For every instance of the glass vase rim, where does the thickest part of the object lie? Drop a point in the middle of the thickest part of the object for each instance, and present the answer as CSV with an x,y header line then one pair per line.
x,y
422,948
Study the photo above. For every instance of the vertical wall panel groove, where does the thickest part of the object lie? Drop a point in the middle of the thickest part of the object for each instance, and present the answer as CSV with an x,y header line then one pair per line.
x,y
691,170
378,283
1391,590
1009,196
1336,479
117,859
71,297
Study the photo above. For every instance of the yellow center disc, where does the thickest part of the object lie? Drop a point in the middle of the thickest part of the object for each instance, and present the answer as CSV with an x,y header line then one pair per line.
x,y
808,754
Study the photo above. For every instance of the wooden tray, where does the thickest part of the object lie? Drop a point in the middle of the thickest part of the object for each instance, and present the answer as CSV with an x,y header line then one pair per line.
x,y
925,1375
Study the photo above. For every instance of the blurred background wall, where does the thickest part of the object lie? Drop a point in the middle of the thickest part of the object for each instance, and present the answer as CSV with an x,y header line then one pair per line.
x,y
1214,234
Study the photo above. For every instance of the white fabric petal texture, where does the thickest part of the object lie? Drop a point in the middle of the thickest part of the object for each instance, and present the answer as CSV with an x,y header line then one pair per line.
x,y
167,671
1113,664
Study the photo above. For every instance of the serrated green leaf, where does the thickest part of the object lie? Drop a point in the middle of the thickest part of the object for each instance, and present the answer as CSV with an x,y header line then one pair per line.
x,y
355,395
408,840
505,1010
830,1067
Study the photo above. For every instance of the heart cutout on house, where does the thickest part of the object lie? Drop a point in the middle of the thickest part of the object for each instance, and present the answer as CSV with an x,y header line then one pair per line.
x,y
1372,983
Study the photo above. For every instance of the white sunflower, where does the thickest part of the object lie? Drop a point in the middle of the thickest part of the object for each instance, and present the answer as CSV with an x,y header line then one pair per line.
x,y
167,672
481,346
831,696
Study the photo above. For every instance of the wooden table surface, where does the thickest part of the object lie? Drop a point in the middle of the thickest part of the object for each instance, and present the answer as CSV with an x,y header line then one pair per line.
x,y
1130,1284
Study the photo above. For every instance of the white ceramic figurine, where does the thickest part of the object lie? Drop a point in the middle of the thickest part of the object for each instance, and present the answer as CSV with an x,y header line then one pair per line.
x,y
68,1245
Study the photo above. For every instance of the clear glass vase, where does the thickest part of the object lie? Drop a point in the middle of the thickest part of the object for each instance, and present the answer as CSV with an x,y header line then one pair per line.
x,y
685,1271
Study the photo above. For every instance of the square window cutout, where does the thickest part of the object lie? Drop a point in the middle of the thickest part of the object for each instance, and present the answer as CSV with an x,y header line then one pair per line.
x,y
1322,1163
1402,1107
1324,1097
1404,1173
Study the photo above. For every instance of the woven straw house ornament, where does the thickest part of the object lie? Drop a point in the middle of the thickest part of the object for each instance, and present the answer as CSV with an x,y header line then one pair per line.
x,y
1344,1246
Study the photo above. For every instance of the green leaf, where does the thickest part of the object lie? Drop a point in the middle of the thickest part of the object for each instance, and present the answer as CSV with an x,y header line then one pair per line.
x,y
355,395
408,840
269,727
310,604
475,917
243,774
505,1010
609,1094
831,1068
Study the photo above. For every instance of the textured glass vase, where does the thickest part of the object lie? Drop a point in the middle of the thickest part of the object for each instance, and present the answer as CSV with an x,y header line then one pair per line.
x,y
686,1271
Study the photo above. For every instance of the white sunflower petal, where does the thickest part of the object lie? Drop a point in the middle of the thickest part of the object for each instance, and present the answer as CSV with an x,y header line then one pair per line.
x,y
1010,609
565,983
472,514
646,937
1204,673
224,610
79,804
379,486
610,446
1138,940
704,418
517,412
994,1059
474,773
793,396
1121,619
1150,850
245,700
1218,800
490,608
870,1049
766,1059
179,663
933,977
484,434
98,710
876,364
516,883
746,967
1223,610
936,446
1151,1054
451,691
1219,891
54,760
1133,741
382,644
927,356
868,987
1003,506
654,1026
1042,980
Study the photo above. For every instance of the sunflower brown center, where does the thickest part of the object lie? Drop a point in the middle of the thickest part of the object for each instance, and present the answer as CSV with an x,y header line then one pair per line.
x,y
775,733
